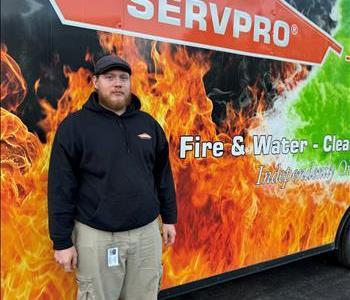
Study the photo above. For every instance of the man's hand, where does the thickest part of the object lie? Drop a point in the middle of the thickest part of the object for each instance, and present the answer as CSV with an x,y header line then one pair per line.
x,y
67,258
169,234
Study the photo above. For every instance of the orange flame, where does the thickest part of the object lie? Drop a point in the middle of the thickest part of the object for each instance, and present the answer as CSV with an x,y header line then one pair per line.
x,y
73,98
28,270
11,81
36,85
223,216
88,56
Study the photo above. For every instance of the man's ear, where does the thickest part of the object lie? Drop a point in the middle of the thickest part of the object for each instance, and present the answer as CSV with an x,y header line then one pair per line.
x,y
95,82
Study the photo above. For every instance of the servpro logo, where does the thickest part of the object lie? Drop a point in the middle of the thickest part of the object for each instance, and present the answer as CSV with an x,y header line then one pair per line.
x,y
269,29
198,12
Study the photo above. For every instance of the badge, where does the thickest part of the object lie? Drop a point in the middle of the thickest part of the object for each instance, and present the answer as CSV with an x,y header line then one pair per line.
x,y
112,257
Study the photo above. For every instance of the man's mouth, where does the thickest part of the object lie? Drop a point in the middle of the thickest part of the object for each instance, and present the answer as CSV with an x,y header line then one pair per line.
x,y
118,93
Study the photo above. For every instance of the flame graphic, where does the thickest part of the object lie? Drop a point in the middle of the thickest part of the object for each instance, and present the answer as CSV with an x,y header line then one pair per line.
x,y
11,79
225,221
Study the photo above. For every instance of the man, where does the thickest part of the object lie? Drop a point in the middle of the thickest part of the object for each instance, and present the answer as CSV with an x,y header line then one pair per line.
x,y
109,179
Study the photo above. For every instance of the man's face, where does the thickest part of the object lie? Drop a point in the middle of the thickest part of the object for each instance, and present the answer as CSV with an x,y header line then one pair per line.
x,y
113,88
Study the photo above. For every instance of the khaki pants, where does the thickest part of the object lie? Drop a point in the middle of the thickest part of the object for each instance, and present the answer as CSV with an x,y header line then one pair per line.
x,y
138,275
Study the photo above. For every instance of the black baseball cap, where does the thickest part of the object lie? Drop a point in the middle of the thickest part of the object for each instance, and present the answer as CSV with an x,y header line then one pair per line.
x,y
109,62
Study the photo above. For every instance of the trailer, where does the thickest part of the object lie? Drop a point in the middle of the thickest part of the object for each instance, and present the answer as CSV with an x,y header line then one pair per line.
x,y
254,97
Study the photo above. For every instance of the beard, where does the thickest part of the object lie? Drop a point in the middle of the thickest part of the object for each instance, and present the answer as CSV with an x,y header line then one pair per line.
x,y
113,102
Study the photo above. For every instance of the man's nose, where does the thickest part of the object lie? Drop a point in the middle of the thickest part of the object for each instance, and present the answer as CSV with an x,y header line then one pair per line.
x,y
117,82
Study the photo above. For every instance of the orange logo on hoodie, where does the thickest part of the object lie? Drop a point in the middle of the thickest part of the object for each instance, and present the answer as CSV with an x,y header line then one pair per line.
x,y
144,136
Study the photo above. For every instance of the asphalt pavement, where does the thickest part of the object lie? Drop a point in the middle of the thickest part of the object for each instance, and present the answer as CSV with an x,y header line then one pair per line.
x,y
316,278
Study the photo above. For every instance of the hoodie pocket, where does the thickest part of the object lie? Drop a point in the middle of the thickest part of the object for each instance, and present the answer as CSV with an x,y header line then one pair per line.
x,y
125,211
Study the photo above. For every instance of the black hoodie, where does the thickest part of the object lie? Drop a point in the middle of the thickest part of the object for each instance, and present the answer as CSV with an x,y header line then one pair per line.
x,y
105,175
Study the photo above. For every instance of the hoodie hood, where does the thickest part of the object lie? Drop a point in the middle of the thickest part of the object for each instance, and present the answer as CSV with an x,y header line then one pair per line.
x,y
94,105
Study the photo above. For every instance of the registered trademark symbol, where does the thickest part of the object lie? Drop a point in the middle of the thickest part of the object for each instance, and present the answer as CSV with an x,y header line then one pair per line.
x,y
294,29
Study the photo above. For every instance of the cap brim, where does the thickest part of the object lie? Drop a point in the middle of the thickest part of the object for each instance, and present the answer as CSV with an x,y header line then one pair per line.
x,y
113,66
